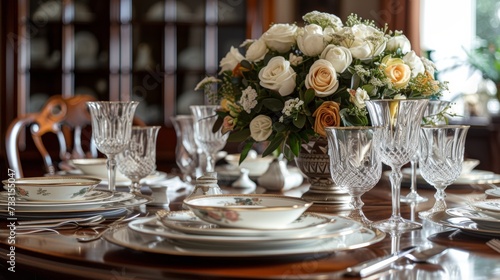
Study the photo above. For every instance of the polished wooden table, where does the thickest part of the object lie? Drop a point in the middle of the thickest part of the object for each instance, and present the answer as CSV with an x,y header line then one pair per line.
x,y
53,256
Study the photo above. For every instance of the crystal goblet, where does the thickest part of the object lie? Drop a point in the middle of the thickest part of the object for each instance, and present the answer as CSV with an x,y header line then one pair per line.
x,y
440,159
111,127
354,163
208,140
430,116
186,150
401,120
138,160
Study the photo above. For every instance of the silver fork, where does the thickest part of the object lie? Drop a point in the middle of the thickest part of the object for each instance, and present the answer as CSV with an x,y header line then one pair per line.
x,y
107,228
494,244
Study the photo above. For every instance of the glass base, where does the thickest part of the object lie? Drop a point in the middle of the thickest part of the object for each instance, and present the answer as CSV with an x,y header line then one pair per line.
x,y
396,225
413,197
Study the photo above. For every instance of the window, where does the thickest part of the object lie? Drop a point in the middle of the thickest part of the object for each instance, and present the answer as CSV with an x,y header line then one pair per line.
x,y
448,36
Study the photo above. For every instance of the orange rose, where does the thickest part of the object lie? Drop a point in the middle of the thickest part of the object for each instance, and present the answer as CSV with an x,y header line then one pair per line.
x,y
328,114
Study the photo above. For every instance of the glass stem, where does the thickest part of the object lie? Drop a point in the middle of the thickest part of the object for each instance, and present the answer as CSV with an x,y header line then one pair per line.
x,y
413,163
111,165
135,187
395,178
211,162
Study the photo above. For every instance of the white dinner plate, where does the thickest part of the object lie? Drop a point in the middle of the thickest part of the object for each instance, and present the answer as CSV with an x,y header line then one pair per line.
x,y
488,205
119,200
152,226
92,196
57,215
473,177
462,223
482,219
151,179
493,192
188,222
128,238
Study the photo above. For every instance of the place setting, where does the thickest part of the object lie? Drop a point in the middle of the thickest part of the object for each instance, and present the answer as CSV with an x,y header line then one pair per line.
x,y
243,225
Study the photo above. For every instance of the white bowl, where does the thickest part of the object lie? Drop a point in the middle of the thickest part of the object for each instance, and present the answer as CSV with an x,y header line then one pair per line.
x,y
95,167
51,188
256,164
468,165
256,211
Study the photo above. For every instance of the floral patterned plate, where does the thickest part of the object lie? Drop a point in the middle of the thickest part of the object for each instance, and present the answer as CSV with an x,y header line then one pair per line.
x,y
92,196
255,211
188,222
488,205
152,226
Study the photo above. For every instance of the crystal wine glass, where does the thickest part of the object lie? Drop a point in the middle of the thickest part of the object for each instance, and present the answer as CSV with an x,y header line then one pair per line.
x,y
354,163
186,150
440,160
401,120
138,160
111,127
430,115
208,140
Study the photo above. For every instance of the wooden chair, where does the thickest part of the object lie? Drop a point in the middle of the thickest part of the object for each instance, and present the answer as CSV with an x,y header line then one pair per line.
x,y
64,117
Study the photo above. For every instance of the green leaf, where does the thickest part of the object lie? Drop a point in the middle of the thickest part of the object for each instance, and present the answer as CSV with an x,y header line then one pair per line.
x,y
239,136
244,152
274,144
300,121
294,143
246,64
309,96
218,124
273,104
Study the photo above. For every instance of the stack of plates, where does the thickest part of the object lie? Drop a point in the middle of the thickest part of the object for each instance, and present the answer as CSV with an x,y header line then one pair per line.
x,y
182,233
95,202
482,217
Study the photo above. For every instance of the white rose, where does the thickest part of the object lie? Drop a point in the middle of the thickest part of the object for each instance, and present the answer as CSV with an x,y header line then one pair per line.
x,y
256,51
399,42
261,128
232,58
358,97
322,77
310,40
429,66
280,37
278,75
415,63
339,57
367,42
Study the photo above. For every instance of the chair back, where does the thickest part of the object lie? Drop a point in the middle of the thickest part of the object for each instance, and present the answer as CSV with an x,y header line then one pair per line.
x,y
64,117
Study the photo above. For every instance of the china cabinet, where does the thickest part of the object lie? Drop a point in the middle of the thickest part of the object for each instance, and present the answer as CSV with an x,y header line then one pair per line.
x,y
152,51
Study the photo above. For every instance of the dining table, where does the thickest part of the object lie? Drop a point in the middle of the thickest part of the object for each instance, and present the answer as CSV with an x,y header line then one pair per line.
x,y
58,255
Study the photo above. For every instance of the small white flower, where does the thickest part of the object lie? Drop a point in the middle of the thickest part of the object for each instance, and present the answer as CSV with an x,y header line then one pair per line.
x,y
358,97
295,59
248,99
291,106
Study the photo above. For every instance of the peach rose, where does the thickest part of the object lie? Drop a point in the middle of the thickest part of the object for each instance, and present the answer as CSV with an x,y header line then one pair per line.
x,y
322,77
328,114
227,124
397,71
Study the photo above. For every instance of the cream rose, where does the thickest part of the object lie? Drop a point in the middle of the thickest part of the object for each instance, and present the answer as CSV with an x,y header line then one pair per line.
x,y
397,71
415,63
327,114
280,37
310,40
339,57
358,97
322,77
261,128
398,42
278,75
363,41
256,51
232,58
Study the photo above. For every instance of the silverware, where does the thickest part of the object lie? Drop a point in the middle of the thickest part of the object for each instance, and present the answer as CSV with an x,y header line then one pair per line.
x,y
425,255
106,228
369,267
90,221
52,221
494,244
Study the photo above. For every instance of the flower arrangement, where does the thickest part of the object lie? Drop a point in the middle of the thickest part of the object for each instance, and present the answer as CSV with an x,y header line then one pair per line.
x,y
293,81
